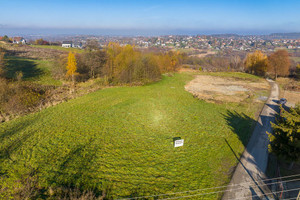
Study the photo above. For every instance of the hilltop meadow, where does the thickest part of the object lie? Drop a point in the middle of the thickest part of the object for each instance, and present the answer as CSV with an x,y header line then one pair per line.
x,y
110,134
118,142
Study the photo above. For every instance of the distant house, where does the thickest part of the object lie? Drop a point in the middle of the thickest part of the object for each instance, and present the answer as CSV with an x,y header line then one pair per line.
x,y
77,45
1,38
18,40
67,44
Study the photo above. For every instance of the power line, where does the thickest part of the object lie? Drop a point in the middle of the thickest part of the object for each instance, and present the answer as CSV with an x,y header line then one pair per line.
x,y
168,194
267,193
273,183
284,177
236,185
230,199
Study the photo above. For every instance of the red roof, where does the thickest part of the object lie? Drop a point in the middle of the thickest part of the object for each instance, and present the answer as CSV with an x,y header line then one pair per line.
x,y
1,37
17,39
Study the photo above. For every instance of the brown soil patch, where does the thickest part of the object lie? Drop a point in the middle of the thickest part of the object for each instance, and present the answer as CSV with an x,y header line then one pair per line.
x,y
292,97
290,89
223,89
202,55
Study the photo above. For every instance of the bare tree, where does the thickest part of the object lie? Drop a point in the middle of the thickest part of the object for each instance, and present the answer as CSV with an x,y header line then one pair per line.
x,y
236,62
92,45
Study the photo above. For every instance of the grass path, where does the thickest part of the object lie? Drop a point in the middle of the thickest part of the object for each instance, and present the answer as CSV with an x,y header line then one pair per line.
x,y
121,139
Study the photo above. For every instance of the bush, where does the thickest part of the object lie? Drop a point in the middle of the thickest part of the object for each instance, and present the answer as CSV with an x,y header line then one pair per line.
x,y
19,97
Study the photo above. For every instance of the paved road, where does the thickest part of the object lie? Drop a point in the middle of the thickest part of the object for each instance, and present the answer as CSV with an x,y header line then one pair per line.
x,y
253,163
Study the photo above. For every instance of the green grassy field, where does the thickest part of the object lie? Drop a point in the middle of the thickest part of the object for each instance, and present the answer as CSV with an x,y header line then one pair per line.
x,y
121,140
38,71
76,50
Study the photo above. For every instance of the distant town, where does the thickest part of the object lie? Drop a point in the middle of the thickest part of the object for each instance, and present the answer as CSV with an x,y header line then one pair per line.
x,y
205,42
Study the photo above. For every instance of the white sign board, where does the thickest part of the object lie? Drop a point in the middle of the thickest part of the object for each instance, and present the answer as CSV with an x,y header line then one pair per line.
x,y
178,143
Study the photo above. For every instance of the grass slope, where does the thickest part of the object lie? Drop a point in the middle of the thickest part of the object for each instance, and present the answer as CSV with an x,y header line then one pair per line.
x,y
122,139
76,50
38,71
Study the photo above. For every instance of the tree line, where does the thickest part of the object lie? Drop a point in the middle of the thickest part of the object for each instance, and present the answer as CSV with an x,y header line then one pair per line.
x,y
274,65
119,64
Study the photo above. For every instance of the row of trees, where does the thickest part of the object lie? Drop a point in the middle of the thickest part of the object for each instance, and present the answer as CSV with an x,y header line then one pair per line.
x,y
121,64
276,64
273,65
125,64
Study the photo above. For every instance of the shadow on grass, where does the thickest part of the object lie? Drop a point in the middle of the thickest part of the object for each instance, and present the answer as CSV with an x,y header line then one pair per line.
x,y
241,124
76,170
256,147
28,68
11,142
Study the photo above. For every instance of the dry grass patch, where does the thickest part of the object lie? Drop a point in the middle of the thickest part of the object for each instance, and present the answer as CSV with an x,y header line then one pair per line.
x,y
289,89
224,89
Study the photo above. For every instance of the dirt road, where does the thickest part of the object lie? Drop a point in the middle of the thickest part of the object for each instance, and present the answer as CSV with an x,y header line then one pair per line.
x,y
251,169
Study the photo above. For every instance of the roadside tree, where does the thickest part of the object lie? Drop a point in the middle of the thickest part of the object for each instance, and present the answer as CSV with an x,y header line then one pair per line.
x,y
279,63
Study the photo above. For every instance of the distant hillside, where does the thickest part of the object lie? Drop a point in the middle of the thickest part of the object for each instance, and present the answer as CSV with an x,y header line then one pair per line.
x,y
225,35
268,37
284,36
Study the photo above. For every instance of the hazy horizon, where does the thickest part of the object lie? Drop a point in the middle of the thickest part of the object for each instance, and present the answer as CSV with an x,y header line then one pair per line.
x,y
133,17
124,32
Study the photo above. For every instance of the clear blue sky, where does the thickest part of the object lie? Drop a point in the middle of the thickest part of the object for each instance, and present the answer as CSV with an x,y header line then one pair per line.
x,y
203,16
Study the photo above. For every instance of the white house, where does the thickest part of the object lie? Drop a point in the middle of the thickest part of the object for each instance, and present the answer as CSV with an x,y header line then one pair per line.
x,y
67,44
18,40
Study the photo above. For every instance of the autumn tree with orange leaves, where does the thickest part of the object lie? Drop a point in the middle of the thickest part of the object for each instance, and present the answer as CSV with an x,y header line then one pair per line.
x,y
72,66
256,63
279,63
125,64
